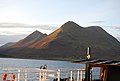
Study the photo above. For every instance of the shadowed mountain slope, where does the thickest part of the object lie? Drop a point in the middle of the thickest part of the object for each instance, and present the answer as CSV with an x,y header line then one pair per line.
x,y
7,45
32,38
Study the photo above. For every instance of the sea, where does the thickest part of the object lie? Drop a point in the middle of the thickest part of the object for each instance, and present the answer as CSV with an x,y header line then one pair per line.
x,y
51,64
30,63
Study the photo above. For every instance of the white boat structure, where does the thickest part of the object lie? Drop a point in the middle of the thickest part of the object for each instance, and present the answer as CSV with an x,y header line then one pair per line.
x,y
36,74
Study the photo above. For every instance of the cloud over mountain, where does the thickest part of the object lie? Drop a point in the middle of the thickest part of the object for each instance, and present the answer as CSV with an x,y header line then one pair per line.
x,y
97,22
21,25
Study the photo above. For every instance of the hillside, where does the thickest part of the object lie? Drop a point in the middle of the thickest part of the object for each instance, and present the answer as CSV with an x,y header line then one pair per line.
x,y
32,38
70,41
7,45
5,56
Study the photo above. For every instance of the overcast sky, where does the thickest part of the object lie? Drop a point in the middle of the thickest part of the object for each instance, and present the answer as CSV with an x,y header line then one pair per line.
x,y
53,13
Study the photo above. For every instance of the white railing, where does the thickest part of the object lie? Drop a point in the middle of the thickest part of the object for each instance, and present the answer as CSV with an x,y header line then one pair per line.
x,y
35,74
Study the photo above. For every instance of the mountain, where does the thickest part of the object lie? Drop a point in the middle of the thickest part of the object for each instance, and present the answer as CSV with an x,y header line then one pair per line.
x,y
35,36
72,35
70,41
7,45
5,56
32,38
62,35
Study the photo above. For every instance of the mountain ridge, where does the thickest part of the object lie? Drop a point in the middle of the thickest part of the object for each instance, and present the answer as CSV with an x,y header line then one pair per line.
x,y
71,40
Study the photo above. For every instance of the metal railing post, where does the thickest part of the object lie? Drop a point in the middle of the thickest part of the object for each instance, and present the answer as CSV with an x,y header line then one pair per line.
x,y
44,75
81,75
40,75
58,73
25,76
70,75
78,75
18,79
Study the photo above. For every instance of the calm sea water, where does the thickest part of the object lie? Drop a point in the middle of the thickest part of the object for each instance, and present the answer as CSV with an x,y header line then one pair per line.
x,y
51,64
29,63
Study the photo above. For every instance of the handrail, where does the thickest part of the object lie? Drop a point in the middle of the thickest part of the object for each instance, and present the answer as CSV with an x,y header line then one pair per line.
x,y
31,74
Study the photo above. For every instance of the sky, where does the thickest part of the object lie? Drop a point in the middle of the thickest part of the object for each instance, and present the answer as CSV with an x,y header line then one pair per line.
x,y
19,18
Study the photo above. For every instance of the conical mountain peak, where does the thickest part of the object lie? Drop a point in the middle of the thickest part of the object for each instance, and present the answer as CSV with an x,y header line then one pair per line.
x,y
33,37
36,32
70,25
70,22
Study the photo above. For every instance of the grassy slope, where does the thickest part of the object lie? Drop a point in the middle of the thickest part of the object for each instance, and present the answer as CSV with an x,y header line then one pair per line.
x,y
5,56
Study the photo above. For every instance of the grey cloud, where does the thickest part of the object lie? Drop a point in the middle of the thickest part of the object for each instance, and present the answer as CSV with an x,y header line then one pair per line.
x,y
114,27
117,27
45,27
13,25
19,25
10,33
5,39
113,30
97,22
